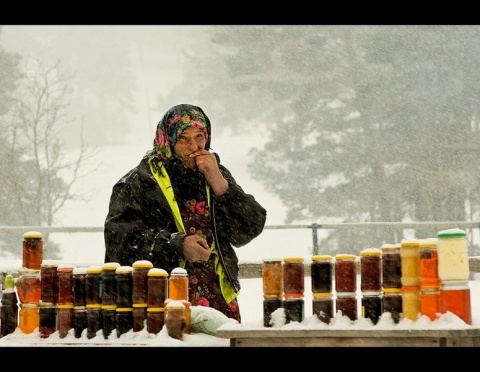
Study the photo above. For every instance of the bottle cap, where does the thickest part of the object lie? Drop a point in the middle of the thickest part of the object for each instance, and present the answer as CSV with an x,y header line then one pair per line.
x,y
9,281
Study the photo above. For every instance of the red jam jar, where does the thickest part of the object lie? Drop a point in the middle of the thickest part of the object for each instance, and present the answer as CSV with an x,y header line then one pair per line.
x,y
345,273
293,277
32,254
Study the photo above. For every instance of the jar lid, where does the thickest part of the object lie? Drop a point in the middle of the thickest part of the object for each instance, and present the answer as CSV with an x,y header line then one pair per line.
x,y
175,305
371,252
140,305
388,247
179,271
124,270
9,281
79,270
124,309
65,268
94,270
110,266
451,233
293,259
49,263
46,304
28,272
340,257
155,309
157,272
429,243
109,307
65,306
411,288
94,306
392,290
272,260
33,235
409,243
322,294
142,264
28,305
325,257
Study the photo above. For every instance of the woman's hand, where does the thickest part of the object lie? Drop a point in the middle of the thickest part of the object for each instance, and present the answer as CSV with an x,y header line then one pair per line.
x,y
207,164
195,248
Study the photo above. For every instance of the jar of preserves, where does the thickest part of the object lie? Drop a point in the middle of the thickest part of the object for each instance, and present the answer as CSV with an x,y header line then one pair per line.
x,y
108,320
93,286
79,320
345,273
157,287
140,276
79,286
65,284
270,305
175,320
28,286
28,318
293,277
346,303
391,266
47,322
272,277
155,319
94,320
430,302
371,306
32,250
410,255
429,279
392,303
453,265
124,283
294,309
371,270
64,319
48,281
139,313
178,284
124,320
322,306
455,297
411,302
109,285
321,273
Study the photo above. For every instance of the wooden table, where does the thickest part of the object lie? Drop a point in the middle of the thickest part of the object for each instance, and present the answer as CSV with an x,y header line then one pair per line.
x,y
348,338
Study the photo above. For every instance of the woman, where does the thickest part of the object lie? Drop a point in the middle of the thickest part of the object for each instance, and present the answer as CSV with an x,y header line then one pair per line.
x,y
181,208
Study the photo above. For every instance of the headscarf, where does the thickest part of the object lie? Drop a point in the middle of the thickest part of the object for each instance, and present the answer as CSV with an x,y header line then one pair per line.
x,y
173,123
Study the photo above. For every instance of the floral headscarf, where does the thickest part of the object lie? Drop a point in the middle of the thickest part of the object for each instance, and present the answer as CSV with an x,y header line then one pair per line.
x,y
173,123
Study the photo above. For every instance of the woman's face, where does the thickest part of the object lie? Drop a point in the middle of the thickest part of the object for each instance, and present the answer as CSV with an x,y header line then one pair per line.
x,y
192,139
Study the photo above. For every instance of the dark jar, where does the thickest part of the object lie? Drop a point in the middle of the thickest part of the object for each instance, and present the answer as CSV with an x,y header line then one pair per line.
x,y
108,320
294,309
64,319
293,276
140,272
175,320
157,287
371,270
94,320
109,285
345,273
371,304
322,306
79,320
391,266
47,321
392,303
139,317
32,254
270,305
48,281
155,319
65,284
124,282
79,286
346,303
321,274
93,286
124,321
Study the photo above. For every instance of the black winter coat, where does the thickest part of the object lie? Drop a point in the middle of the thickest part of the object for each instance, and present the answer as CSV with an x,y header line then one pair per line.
x,y
140,224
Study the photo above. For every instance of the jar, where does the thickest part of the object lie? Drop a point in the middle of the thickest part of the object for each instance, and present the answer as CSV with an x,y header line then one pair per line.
x,y
139,285
371,270
124,283
65,284
270,305
157,287
28,318
47,321
124,320
79,320
411,302
371,306
178,284
175,320
321,273
9,307
93,286
108,320
346,303
391,266
322,306
156,319
187,313
48,281
94,320
455,297
28,286
429,264
272,277
392,303
79,286
294,309
64,319
345,273
410,255
109,285
453,256
430,302
293,277
32,253
139,313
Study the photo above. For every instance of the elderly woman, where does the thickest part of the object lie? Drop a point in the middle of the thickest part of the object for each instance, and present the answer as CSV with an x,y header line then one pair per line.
x,y
181,208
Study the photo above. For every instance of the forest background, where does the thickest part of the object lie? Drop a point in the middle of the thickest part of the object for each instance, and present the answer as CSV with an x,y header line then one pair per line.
x,y
366,123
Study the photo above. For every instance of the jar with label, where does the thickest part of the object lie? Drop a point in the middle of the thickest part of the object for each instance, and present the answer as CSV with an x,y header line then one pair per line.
x,y
47,322
293,277
155,319
453,264
371,270
455,298
93,286
410,255
32,250
109,285
175,320
157,287
411,302
65,284
371,306
391,266
79,286
322,306
28,318
345,273
429,264
140,278
28,286
272,277
392,303
64,319
321,273
48,281
139,317
178,284
346,303
124,320
124,282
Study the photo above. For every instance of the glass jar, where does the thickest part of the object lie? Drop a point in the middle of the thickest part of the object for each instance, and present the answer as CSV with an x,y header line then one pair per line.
x,y
48,281
294,309
124,283
272,277
65,284
93,286
392,303
79,286
94,320
391,266
47,322
32,254
410,255
429,278
270,305
322,306
345,273
455,297
64,319
28,318
178,284
28,286
453,265
124,320
157,287
346,303
155,319
109,285
321,273
79,320
430,302
175,319
139,317
293,277
371,270
108,320
371,306
411,302
140,277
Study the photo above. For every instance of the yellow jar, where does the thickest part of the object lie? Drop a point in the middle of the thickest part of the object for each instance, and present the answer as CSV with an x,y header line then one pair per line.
x,y
452,252
410,256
